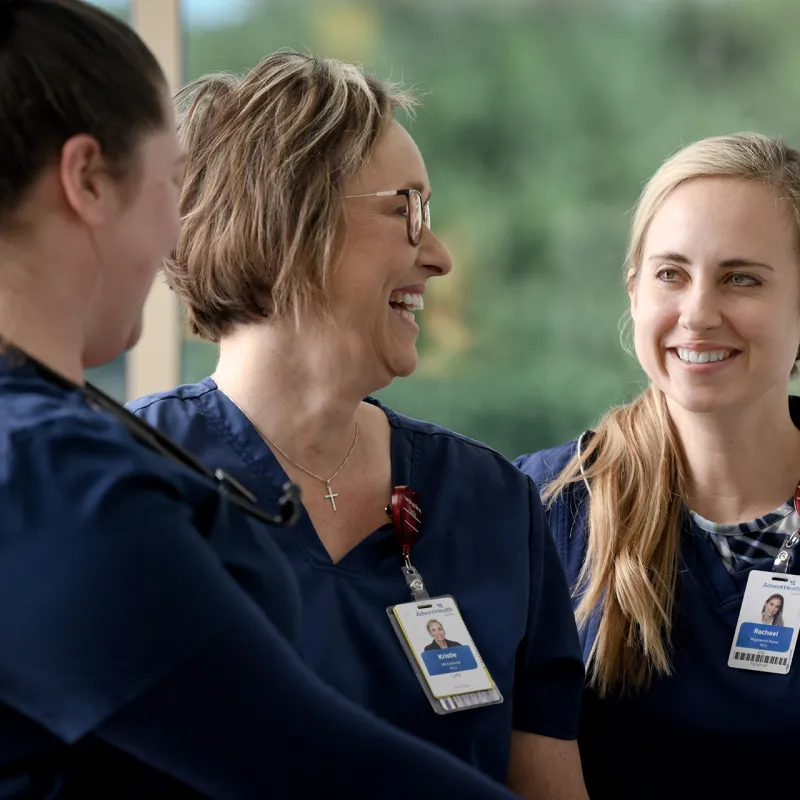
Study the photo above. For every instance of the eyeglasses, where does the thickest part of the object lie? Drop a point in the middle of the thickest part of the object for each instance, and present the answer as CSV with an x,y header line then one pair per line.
x,y
418,213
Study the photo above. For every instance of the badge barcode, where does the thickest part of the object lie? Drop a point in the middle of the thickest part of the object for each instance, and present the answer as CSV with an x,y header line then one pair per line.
x,y
459,701
760,658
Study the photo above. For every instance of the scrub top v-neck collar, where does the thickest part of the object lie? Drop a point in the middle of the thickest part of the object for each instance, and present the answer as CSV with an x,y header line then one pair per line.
x,y
406,453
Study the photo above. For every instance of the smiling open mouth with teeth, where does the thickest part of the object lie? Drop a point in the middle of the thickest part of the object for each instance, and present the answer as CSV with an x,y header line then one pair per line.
x,y
406,303
704,357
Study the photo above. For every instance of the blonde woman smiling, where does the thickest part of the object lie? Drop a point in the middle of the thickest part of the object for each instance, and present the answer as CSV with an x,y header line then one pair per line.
x,y
661,513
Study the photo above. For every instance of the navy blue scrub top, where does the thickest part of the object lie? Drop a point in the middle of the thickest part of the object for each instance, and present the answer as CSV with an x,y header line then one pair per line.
x,y
484,540
143,634
706,731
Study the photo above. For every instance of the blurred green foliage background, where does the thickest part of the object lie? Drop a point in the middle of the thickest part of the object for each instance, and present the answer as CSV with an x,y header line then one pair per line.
x,y
541,121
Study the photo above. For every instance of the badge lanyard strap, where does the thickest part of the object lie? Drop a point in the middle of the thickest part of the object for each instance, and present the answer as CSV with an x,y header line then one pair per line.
x,y
785,557
406,518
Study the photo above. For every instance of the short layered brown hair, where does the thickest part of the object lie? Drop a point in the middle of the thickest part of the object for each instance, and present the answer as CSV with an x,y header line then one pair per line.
x,y
261,200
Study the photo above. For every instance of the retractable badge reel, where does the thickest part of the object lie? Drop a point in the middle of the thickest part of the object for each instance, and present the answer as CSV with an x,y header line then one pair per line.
x,y
431,631
766,631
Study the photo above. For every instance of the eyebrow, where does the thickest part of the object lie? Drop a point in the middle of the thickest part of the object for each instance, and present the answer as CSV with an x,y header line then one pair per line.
x,y
727,263
420,188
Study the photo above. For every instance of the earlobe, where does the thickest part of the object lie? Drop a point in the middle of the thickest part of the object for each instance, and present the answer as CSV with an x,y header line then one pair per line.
x,y
84,179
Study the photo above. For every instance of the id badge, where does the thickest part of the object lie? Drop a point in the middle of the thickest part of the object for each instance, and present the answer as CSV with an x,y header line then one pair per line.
x,y
445,660
766,631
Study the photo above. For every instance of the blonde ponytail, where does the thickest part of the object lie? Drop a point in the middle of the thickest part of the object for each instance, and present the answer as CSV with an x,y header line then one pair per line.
x,y
633,466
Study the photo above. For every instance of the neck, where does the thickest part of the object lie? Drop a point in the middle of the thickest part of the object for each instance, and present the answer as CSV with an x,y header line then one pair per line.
x,y
35,319
739,465
295,388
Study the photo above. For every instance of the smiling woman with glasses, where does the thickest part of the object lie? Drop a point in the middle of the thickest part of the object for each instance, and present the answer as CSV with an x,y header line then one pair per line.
x,y
309,275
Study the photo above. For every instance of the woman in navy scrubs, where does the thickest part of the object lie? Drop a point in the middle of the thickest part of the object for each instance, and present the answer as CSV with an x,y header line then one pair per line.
x,y
663,512
144,617
305,251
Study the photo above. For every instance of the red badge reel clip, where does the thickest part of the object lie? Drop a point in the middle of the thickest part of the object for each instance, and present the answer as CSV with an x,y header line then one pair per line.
x,y
406,517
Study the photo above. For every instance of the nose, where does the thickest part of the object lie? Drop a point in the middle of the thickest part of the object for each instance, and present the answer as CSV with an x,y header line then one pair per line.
x,y
433,255
700,308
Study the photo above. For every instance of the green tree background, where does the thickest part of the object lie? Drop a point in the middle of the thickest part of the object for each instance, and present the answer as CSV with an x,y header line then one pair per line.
x,y
541,122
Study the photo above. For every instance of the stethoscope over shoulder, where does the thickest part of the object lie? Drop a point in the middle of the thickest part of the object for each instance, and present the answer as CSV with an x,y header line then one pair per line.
x,y
147,435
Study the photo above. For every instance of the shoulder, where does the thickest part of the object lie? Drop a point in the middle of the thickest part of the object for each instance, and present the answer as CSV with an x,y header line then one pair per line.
x,y
73,459
180,397
567,511
38,415
543,466
190,414
467,486
465,457
33,406
434,432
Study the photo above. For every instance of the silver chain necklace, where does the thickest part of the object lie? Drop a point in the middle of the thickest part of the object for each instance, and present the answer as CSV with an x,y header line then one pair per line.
x,y
331,494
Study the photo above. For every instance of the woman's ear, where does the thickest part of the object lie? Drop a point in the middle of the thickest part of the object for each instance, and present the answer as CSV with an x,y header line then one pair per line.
x,y
85,181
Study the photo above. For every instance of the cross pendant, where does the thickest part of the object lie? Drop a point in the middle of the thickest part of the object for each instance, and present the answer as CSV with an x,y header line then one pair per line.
x,y
331,495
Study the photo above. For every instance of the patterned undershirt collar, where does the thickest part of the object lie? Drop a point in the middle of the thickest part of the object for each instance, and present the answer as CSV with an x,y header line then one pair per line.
x,y
746,543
